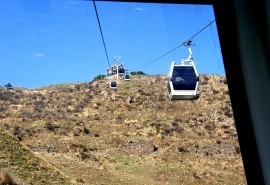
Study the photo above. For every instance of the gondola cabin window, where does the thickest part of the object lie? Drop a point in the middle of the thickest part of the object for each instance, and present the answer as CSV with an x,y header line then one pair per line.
x,y
184,78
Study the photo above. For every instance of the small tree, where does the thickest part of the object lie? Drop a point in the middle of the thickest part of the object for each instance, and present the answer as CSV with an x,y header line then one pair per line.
x,y
99,77
137,73
8,86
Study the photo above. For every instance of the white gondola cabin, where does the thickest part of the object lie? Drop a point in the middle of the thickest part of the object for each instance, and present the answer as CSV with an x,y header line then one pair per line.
x,y
113,84
183,80
127,77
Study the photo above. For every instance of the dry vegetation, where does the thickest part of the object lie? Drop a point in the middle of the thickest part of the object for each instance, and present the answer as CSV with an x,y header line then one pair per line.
x,y
91,134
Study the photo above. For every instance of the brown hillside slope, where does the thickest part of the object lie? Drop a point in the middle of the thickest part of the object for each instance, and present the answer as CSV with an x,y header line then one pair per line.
x,y
131,135
20,166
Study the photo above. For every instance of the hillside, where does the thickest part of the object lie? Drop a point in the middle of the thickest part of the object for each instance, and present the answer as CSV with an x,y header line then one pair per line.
x,y
91,134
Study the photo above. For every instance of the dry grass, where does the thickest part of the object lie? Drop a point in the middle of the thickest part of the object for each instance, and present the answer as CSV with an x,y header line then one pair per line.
x,y
133,135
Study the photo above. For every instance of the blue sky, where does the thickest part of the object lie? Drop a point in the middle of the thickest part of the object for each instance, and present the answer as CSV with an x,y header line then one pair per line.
x,y
59,41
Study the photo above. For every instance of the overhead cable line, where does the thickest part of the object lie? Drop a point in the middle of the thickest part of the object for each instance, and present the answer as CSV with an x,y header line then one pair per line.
x,y
184,43
124,31
101,33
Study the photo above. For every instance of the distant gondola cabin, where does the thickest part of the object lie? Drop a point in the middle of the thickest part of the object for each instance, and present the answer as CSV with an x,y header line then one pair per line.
x,y
113,84
127,77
